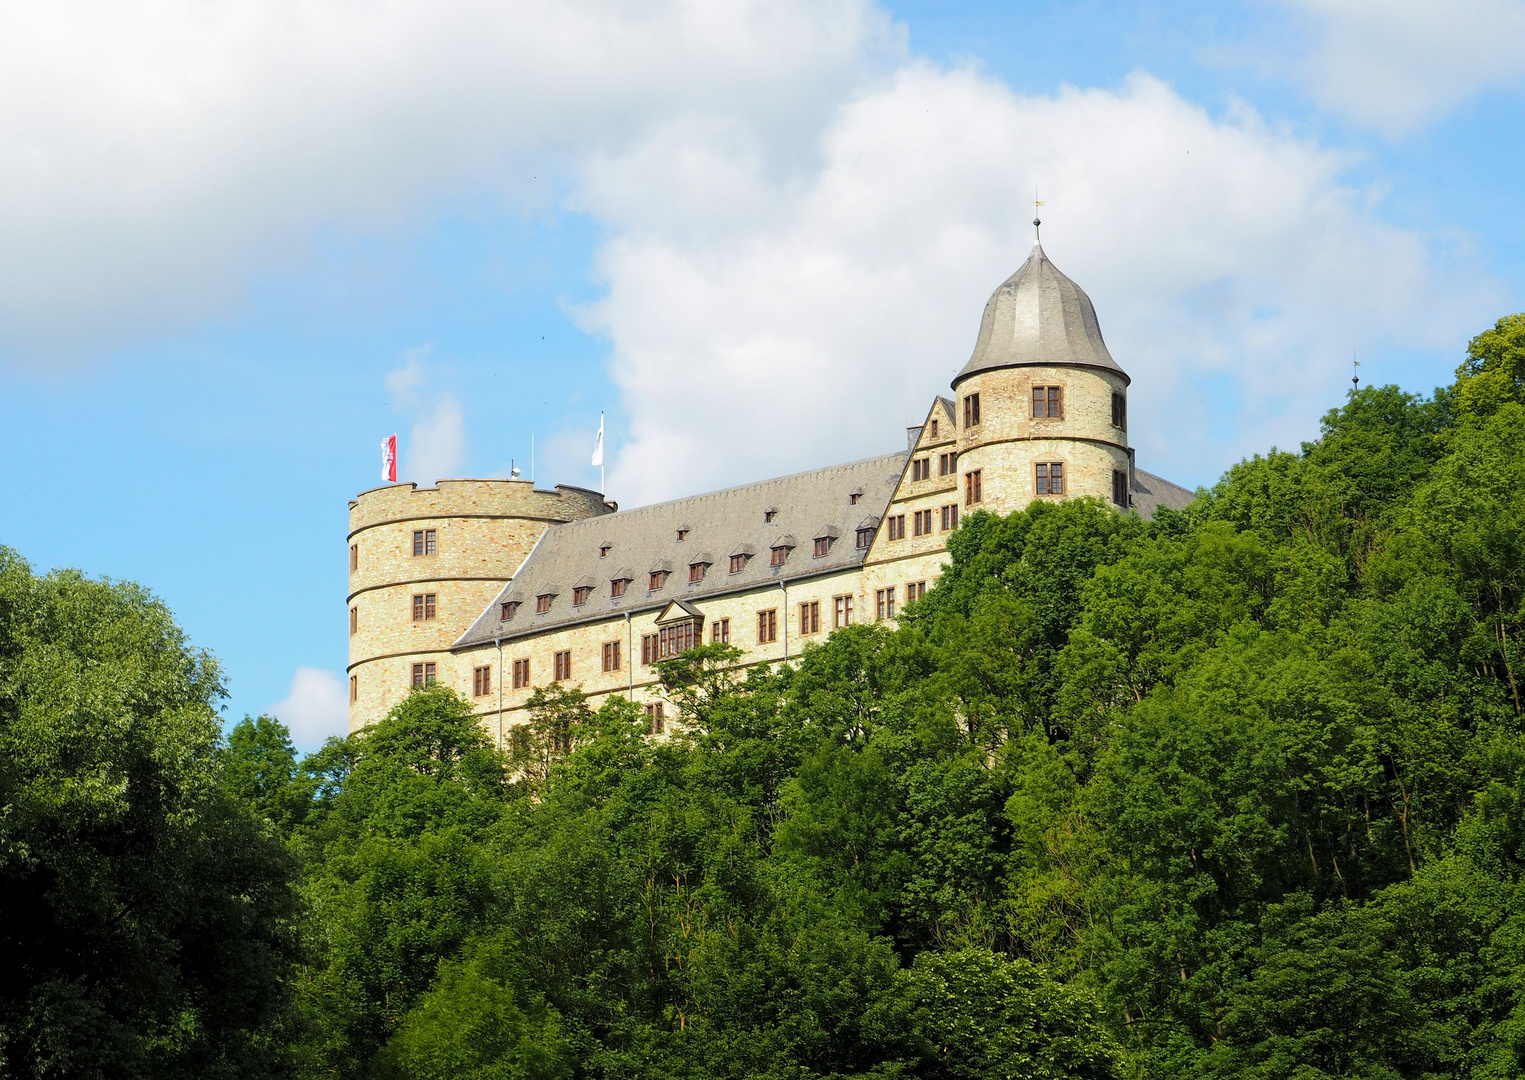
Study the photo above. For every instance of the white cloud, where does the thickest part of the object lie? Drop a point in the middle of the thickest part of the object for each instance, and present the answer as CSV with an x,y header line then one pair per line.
x,y
315,708
153,154
822,310
1396,64
436,447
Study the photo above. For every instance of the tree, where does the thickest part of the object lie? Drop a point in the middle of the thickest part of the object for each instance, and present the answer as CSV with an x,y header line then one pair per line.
x,y
147,919
1493,374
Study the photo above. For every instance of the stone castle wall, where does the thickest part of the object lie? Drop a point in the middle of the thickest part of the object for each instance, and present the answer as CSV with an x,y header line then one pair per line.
x,y
1009,441
483,530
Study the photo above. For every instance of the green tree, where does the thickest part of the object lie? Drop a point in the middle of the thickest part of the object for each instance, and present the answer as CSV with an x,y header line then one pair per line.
x,y
1493,374
147,920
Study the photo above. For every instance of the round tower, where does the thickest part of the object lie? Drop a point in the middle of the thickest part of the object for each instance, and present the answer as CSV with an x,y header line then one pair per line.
x,y
423,564
1041,407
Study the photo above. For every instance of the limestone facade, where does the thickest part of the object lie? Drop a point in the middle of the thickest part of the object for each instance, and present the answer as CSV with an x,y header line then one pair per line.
x,y
473,535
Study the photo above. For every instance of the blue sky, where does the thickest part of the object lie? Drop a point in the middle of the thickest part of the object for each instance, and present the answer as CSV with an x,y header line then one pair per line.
x,y
239,248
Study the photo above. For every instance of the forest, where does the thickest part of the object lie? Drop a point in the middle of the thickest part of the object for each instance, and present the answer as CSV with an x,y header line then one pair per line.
x,y
1237,792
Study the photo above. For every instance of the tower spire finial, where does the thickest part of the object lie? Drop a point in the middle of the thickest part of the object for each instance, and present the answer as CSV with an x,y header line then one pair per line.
x,y
1037,239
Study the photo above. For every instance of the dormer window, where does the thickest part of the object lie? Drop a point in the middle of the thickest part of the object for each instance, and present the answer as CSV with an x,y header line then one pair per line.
x,y
865,538
617,587
603,551
738,563
853,496
695,572
779,555
822,546
769,515
658,580
681,534
580,595
507,610
543,603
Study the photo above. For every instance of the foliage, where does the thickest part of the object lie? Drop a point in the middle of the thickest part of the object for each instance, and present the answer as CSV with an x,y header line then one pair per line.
x,y
147,919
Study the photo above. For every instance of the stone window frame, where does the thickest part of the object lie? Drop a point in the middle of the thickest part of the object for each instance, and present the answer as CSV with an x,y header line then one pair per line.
x,y
561,664
810,617
842,611
425,673
481,680
972,410
1044,478
1048,397
767,626
720,632
612,655
425,607
521,673
425,542
974,487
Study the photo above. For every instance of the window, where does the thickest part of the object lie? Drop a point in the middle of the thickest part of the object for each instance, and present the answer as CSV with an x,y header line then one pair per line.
x,y
617,587
424,606
779,555
611,656
947,463
1119,487
561,736
822,545
682,534
655,722
507,610
720,632
767,626
914,591
865,539
562,662
768,516
810,617
934,429
897,527
738,563
1119,410
481,681
354,557
354,621
695,572
677,639
648,648
423,674
354,688
603,551
423,542
922,524
852,500
885,602
521,673
972,410
1050,478
972,491
658,579
843,616
580,595
1048,401
921,468
543,603
950,517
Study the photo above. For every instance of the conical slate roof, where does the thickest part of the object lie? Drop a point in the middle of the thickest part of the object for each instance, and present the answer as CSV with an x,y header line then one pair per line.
x,y
1039,317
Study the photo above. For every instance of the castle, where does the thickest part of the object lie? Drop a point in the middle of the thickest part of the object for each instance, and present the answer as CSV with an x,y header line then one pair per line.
x,y
495,587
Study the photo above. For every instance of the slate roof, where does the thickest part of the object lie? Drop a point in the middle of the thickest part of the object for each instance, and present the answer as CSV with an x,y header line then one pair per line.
x,y
1038,317
1150,491
719,524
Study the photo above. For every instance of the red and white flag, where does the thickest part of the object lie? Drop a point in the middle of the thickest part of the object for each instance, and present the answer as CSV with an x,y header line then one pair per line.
x,y
389,459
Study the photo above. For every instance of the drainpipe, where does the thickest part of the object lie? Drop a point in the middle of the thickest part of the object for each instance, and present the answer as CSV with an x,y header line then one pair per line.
x,y
784,586
630,654
499,643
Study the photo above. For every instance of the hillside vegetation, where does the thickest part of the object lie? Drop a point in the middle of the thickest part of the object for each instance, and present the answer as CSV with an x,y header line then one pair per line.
x,y
1239,792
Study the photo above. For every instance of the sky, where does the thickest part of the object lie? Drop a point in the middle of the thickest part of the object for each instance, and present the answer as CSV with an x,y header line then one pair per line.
x,y
242,243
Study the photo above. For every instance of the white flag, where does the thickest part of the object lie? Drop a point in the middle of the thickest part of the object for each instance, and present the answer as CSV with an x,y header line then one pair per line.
x,y
598,446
